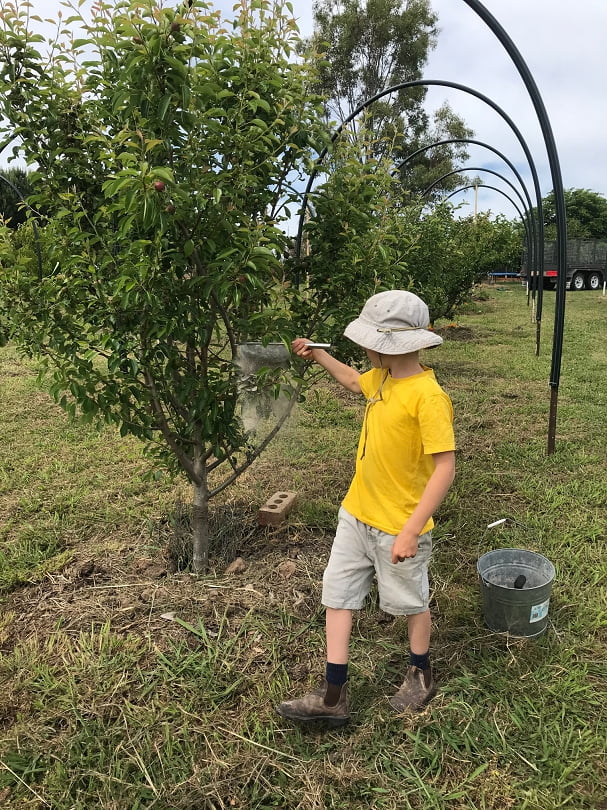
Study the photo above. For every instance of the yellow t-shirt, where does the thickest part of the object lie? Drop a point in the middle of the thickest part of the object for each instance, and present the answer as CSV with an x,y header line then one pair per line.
x,y
406,421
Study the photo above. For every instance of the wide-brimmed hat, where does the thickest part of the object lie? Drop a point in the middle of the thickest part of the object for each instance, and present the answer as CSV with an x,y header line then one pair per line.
x,y
393,322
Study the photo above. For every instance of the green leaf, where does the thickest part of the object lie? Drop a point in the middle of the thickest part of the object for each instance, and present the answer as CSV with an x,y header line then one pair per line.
x,y
164,106
163,173
152,144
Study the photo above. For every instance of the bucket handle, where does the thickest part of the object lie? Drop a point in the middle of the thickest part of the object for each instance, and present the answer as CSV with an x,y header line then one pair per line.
x,y
499,522
496,523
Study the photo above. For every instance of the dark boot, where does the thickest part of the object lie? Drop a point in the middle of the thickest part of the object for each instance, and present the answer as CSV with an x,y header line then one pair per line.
x,y
417,689
313,707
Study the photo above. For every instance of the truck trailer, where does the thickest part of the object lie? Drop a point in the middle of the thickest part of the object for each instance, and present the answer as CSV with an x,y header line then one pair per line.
x,y
586,264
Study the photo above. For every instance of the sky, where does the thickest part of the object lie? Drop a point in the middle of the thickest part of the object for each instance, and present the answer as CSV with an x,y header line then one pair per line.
x,y
563,46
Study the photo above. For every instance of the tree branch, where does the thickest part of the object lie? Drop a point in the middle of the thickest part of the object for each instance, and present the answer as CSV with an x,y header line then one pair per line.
x,y
184,460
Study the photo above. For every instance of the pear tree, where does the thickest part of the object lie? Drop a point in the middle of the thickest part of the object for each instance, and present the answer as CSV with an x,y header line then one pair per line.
x,y
163,145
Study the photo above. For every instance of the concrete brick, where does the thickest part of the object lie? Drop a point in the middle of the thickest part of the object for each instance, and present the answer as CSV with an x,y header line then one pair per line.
x,y
276,508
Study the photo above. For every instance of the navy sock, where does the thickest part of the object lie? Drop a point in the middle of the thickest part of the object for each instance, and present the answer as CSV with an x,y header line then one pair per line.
x,y
336,673
419,661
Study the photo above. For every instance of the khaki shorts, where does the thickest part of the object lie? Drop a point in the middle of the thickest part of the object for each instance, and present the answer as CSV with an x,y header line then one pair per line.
x,y
360,551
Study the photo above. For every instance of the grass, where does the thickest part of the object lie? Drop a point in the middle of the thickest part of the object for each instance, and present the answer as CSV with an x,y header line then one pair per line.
x,y
128,685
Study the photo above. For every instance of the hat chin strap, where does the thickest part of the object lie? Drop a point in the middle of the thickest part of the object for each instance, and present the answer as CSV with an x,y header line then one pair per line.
x,y
388,330
384,368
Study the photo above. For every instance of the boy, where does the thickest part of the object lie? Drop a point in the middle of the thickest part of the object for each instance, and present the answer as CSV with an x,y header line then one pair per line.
x,y
404,467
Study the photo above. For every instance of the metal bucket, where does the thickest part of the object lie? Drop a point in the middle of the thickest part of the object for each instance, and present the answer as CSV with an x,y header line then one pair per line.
x,y
520,611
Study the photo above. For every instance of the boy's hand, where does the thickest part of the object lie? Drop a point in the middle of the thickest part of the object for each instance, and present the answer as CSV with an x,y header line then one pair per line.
x,y
298,346
346,376
405,546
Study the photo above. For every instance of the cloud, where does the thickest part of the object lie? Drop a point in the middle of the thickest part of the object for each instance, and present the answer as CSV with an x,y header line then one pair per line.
x,y
562,45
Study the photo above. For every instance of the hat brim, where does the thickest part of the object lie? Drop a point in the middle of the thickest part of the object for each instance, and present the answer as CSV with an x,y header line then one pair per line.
x,y
395,342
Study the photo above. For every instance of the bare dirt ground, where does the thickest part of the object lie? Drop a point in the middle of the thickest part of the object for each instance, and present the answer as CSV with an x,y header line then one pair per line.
x,y
144,593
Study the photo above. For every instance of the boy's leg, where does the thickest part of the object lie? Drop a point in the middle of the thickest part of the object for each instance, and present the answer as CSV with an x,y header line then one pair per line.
x,y
346,582
338,625
330,701
404,591
419,626
418,687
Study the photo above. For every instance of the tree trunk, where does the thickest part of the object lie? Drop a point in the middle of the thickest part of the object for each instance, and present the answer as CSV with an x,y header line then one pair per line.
x,y
200,522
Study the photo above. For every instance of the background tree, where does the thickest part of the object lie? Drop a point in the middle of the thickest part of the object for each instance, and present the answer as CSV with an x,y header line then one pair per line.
x,y
436,161
450,254
12,210
163,142
367,46
354,249
492,243
370,45
362,240
586,214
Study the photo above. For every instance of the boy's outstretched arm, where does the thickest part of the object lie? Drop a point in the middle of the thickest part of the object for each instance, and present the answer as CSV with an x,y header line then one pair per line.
x,y
406,542
345,375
